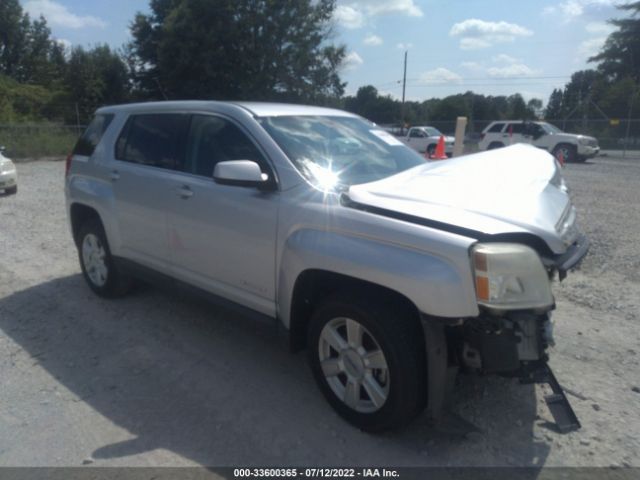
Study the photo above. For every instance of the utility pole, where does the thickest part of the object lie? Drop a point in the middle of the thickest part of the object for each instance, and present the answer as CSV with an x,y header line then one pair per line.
x,y
404,87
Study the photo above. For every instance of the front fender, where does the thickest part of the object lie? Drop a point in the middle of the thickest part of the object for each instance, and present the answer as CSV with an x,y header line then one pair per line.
x,y
436,285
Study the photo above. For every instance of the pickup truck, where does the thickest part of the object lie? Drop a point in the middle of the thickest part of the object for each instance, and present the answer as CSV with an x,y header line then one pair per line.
x,y
393,272
425,139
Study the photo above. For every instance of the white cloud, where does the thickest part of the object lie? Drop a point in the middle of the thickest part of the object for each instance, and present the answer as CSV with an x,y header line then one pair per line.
x,y
58,15
440,75
512,70
349,17
372,40
591,47
66,44
353,14
472,66
599,27
570,9
503,58
352,61
405,7
404,46
475,34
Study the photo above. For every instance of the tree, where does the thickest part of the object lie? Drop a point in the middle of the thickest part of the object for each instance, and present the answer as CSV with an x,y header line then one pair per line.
x,y
14,25
620,56
94,78
237,49
554,108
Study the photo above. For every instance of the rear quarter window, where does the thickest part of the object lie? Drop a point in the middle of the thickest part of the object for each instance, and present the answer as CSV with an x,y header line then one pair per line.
x,y
91,137
497,128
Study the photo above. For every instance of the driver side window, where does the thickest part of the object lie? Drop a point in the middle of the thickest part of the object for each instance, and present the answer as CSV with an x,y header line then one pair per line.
x,y
416,134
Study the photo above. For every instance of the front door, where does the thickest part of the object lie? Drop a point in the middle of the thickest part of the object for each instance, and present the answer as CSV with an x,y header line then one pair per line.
x,y
223,238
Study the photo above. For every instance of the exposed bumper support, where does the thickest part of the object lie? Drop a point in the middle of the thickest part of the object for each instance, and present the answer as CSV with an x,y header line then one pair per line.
x,y
572,256
558,403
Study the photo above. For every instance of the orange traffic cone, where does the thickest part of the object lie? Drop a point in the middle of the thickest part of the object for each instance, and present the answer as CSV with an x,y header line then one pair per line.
x,y
560,158
440,155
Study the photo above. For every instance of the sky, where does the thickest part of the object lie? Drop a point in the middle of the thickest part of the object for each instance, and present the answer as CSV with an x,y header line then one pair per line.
x,y
493,47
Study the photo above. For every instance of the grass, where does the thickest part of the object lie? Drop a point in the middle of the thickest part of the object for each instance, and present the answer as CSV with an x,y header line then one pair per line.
x,y
34,141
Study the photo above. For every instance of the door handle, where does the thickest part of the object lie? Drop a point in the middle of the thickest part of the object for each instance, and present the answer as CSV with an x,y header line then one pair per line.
x,y
114,175
184,192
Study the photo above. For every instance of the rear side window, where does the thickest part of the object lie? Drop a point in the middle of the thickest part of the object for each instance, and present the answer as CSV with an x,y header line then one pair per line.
x,y
155,139
92,135
497,128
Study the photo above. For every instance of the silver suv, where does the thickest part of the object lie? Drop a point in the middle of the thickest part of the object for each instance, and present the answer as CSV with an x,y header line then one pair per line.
x,y
566,147
393,272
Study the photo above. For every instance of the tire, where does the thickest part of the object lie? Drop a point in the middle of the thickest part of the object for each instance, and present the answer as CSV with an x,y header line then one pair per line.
x,y
372,399
569,152
11,191
494,145
431,150
98,268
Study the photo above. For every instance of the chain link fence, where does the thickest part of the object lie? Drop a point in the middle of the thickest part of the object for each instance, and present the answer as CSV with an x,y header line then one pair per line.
x,y
38,140
612,134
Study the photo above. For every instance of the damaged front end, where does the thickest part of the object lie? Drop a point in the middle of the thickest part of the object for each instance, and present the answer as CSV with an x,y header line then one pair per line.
x,y
514,331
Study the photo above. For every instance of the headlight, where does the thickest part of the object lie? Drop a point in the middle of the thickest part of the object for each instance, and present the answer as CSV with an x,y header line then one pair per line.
x,y
510,276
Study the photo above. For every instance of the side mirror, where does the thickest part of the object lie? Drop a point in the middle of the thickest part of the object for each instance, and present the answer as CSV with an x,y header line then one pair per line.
x,y
241,173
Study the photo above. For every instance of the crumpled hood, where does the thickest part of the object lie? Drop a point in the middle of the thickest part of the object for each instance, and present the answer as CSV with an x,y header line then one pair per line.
x,y
515,189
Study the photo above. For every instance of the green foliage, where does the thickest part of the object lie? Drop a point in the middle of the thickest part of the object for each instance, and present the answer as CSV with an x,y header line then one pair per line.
x,y
22,103
386,110
40,140
94,78
237,49
620,56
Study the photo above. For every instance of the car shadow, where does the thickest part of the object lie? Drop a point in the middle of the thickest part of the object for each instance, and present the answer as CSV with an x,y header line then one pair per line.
x,y
217,388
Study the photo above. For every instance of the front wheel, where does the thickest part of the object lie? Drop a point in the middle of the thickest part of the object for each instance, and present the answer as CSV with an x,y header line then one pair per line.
x,y
368,359
565,153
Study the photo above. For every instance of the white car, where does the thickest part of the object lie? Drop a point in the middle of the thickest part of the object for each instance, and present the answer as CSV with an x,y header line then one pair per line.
x,y
425,140
8,175
571,147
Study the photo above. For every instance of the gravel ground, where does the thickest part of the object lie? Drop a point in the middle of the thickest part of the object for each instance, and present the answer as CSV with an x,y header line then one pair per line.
x,y
160,378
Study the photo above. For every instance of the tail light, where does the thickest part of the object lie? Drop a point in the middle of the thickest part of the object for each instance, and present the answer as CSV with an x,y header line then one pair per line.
x,y
67,164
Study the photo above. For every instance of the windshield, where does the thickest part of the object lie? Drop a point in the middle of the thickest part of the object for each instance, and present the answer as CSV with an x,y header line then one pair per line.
x,y
432,132
336,152
548,128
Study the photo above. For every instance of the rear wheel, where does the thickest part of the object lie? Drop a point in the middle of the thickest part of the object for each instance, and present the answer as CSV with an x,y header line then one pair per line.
x,y
494,145
98,267
368,359
12,190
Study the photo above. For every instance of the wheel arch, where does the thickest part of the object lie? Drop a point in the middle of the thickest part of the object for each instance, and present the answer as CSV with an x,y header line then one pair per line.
x,y
79,214
313,285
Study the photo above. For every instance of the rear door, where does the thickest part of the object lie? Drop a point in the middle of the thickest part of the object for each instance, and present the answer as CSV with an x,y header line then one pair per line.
x,y
147,152
223,238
